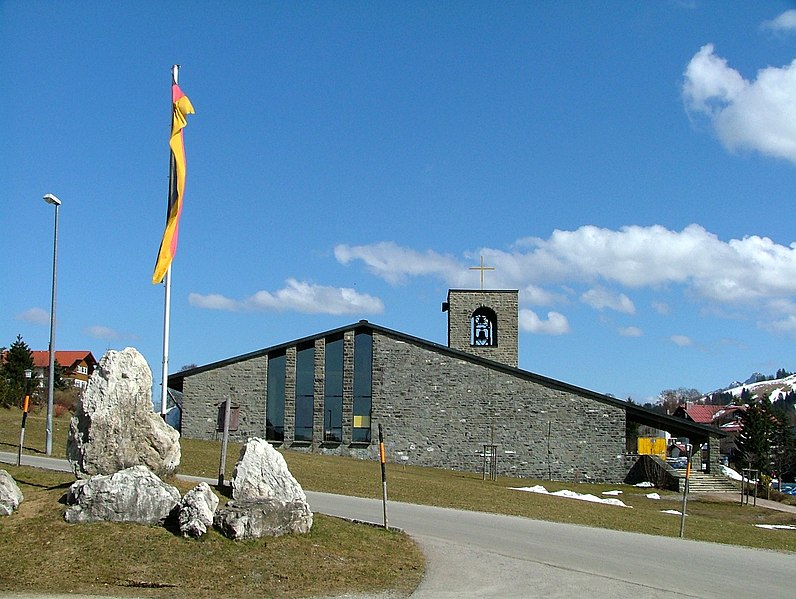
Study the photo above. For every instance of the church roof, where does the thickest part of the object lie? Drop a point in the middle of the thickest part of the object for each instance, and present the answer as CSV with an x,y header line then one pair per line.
x,y
676,426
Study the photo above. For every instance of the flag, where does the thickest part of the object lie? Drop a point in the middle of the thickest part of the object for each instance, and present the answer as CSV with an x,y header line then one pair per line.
x,y
181,108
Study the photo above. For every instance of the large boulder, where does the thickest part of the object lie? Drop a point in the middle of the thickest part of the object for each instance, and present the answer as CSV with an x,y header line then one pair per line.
x,y
132,495
10,495
115,426
197,509
265,517
262,473
266,499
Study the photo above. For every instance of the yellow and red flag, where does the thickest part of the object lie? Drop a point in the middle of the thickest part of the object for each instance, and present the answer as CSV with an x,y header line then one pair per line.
x,y
181,108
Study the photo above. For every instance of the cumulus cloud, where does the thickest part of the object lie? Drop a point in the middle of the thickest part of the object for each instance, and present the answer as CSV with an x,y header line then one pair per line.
x,y
297,296
394,263
681,340
35,316
784,23
600,298
102,332
556,323
756,115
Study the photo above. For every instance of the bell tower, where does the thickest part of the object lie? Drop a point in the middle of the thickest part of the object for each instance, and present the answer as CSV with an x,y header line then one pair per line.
x,y
484,322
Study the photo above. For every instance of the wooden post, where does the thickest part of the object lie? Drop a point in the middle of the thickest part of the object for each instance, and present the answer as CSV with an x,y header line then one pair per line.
x,y
689,449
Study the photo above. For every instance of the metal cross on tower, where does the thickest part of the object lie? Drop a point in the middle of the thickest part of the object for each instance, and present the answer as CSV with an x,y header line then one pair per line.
x,y
482,268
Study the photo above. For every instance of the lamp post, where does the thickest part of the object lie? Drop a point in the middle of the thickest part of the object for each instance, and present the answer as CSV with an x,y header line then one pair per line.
x,y
48,431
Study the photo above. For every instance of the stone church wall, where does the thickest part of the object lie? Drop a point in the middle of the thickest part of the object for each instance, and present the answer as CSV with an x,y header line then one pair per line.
x,y
439,410
244,382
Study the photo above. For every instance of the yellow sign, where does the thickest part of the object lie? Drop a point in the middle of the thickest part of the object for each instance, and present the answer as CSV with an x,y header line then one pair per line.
x,y
652,446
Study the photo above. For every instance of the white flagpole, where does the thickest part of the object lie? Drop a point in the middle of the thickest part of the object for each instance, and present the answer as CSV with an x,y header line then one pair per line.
x,y
164,385
165,373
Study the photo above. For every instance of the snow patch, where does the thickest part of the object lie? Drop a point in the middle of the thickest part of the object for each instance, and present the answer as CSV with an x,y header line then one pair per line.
x,y
572,495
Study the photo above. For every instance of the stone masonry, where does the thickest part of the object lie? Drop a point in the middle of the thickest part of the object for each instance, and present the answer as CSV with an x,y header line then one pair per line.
x,y
460,306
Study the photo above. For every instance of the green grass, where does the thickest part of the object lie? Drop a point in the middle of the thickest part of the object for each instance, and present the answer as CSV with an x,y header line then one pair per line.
x,y
708,520
126,560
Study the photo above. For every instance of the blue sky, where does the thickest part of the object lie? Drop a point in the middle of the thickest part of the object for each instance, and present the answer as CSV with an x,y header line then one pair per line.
x,y
629,167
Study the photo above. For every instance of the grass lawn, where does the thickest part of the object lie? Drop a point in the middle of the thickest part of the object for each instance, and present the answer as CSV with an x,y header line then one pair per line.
x,y
337,542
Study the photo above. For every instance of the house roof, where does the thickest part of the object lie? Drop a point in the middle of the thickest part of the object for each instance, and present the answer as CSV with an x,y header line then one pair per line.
x,y
676,426
66,358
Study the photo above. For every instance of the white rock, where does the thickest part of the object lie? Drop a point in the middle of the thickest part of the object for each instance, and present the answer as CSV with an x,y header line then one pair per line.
x,y
10,495
197,509
115,426
262,473
132,495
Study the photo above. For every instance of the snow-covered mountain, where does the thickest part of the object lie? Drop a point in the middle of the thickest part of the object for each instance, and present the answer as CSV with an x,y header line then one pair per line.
x,y
770,389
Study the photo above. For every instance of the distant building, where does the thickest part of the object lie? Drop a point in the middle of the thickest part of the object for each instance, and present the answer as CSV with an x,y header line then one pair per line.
x,y
76,367
465,406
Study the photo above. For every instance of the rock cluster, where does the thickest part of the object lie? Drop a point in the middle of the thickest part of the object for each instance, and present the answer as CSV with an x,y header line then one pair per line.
x,y
10,495
115,426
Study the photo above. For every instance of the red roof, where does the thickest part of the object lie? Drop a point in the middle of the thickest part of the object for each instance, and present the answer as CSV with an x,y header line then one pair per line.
x,y
702,414
67,359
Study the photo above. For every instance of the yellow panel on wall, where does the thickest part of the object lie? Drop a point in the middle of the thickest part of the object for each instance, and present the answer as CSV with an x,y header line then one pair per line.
x,y
361,421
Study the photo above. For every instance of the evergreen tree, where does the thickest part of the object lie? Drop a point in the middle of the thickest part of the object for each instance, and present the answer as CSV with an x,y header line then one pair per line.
x,y
18,359
783,444
755,439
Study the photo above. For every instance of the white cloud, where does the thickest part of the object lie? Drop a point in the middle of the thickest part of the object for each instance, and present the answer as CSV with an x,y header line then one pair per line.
x,y
631,332
213,301
297,296
556,323
784,23
600,298
681,340
394,263
757,115
35,316
101,332
538,296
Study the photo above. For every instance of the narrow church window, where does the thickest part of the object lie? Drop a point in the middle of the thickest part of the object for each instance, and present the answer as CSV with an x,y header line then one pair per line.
x,y
483,330
363,369
305,388
333,392
275,399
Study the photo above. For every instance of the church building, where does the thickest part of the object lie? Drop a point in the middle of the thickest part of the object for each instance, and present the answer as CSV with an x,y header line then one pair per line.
x,y
448,406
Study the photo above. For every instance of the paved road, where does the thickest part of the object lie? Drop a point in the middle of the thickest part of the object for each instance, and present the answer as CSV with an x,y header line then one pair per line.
x,y
473,554
480,555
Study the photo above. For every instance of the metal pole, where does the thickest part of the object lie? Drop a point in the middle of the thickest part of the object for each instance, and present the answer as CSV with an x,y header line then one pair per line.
x,y
22,429
383,460
48,431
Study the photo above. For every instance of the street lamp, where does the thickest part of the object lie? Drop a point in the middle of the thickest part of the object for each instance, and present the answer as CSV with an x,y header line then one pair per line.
x,y
48,431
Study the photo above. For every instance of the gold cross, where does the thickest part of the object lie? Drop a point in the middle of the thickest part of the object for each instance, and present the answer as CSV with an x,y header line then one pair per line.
x,y
482,268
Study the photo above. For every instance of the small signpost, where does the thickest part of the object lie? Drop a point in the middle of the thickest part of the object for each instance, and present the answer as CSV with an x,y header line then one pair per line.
x,y
224,442
689,449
